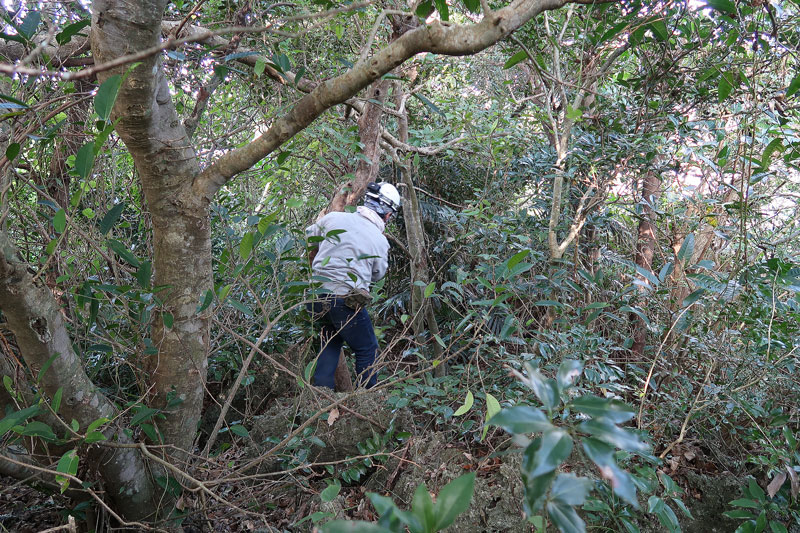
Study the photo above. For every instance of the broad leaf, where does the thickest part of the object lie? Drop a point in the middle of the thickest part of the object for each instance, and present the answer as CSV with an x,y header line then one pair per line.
x,y
468,401
453,499
596,407
330,492
522,419
570,489
609,432
111,217
554,448
107,95
565,518
522,55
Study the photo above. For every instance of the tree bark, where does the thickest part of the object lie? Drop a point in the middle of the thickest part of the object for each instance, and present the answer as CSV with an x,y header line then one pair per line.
x,y
645,246
167,163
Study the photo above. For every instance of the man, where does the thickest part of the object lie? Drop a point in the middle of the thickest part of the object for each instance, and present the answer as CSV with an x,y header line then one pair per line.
x,y
351,253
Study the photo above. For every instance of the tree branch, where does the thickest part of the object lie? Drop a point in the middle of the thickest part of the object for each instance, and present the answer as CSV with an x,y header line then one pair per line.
x,y
440,38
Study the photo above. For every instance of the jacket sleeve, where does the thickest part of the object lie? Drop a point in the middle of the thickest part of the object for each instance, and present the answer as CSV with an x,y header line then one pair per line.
x,y
380,263
379,267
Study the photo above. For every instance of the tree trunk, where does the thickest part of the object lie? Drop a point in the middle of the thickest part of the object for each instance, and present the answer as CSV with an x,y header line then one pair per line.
x,y
421,310
41,334
645,246
167,164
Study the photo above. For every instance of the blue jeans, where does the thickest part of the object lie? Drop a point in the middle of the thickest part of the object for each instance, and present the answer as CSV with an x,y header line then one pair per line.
x,y
341,324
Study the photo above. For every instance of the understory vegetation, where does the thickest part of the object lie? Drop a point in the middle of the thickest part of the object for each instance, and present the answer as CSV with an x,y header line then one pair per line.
x,y
591,318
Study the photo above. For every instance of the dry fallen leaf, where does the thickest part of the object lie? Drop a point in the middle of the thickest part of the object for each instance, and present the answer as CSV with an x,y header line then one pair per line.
x,y
776,484
333,415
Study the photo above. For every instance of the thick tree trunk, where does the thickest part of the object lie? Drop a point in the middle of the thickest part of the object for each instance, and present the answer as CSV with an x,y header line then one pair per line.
x,y
645,246
167,164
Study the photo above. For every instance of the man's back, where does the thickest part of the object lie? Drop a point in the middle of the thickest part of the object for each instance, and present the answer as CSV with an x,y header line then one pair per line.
x,y
353,253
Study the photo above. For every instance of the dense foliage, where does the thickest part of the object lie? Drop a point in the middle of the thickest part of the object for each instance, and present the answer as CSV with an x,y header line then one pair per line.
x,y
609,203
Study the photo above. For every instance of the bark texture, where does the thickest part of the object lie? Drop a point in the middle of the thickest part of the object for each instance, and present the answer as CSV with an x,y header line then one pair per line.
x,y
645,246
167,163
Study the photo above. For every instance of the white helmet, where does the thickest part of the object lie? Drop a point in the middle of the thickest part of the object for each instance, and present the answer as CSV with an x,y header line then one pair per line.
x,y
383,198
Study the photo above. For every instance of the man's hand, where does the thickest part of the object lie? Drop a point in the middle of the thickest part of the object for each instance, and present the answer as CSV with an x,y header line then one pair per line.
x,y
312,253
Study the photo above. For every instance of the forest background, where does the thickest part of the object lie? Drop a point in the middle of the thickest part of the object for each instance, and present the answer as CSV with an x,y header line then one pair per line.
x,y
596,264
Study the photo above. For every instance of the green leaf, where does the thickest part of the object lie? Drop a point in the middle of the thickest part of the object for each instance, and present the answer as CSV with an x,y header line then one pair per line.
x,y
738,514
724,88
60,221
430,105
609,432
492,408
772,147
794,86
96,424
143,414
111,217
123,252
106,95
522,419
570,489
240,430
30,24
565,518
520,56
422,508
687,248
330,492
283,156
101,138
545,389
554,448
517,257
444,11
168,319
777,527
38,429
603,456
246,246
12,151
761,521
468,401
94,436
693,297
725,6
756,491
46,367
664,513
659,29
596,407
66,35
144,273
68,464
745,503
207,299
429,289
474,6
84,160
57,399
453,499
17,417
424,9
